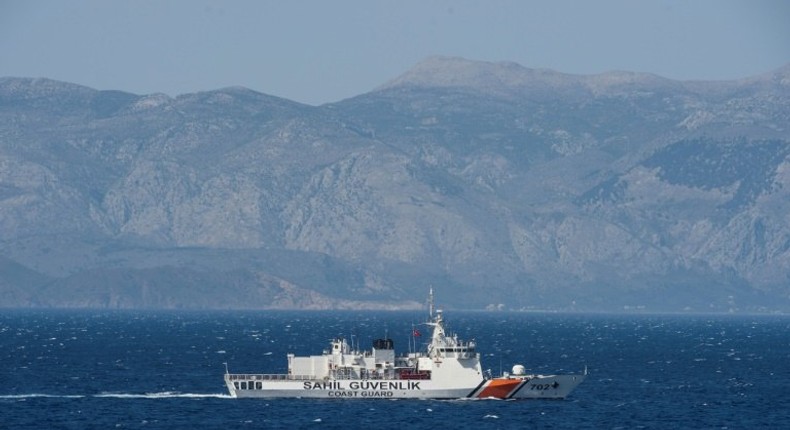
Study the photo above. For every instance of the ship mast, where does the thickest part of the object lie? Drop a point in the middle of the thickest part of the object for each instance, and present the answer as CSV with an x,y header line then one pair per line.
x,y
430,303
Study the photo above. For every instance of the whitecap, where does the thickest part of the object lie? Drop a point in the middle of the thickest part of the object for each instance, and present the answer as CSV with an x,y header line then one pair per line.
x,y
163,395
34,395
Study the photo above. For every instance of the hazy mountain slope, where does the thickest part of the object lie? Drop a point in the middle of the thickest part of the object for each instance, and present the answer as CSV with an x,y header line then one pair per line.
x,y
498,183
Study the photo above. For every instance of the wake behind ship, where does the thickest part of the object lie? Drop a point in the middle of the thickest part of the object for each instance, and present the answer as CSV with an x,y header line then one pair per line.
x,y
449,368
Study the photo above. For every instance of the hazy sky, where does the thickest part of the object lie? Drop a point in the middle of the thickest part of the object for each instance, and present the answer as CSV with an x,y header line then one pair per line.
x,y
321,51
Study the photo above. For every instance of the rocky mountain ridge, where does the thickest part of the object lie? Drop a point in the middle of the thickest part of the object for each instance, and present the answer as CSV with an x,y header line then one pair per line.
x,y
490,181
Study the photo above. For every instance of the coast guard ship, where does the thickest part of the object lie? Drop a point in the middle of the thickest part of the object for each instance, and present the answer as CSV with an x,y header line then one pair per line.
x,y
449,368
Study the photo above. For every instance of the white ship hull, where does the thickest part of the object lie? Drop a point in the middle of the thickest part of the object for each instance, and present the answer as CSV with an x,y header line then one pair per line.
x,y
520,387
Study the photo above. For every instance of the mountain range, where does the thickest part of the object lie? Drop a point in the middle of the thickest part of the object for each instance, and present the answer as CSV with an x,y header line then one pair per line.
x,y
501,186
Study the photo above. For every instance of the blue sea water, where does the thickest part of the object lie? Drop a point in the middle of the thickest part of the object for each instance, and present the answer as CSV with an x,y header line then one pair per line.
x,y
163,370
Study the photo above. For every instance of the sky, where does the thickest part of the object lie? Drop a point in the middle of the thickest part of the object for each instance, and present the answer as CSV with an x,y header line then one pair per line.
x,y
318,51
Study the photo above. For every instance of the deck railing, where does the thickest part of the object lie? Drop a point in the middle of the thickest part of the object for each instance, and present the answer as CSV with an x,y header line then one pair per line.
x,y
336,376
268,377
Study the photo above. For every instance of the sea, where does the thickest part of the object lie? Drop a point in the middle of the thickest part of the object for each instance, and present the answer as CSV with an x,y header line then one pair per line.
x,y
80,369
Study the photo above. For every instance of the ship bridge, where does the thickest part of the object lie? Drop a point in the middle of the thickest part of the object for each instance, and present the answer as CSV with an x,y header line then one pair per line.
x,y
448,346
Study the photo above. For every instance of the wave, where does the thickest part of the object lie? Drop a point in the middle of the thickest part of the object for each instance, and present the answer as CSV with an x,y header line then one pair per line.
x,y
161,395
38,395
164,395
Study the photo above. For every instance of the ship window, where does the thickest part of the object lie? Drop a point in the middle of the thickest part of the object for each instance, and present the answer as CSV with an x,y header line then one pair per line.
x,y
244,385
259,385
237,385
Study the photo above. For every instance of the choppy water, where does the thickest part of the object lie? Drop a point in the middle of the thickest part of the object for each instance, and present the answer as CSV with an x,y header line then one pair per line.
x,y
85,370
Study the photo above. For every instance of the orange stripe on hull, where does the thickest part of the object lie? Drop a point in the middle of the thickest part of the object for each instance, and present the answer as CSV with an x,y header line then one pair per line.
x,y
499,388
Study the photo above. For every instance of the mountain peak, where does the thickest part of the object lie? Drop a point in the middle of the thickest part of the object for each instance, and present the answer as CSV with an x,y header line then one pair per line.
x,y
509,78
512,79
440,71
39,87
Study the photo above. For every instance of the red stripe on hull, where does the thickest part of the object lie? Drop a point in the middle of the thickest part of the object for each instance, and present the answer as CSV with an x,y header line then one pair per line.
x,y
499,388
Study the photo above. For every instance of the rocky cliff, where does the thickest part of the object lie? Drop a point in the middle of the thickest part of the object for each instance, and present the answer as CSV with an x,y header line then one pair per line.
x,y
492,182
